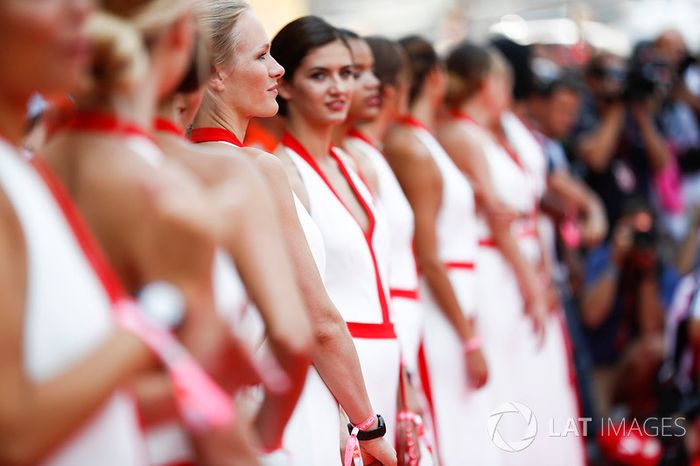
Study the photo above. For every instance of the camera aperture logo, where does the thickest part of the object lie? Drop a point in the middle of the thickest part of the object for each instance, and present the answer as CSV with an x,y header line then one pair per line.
x,y
512,408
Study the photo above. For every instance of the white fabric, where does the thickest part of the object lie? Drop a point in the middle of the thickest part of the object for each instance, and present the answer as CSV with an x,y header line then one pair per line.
x,y
548,388
311,437
351,281
406,313
67,316
461,413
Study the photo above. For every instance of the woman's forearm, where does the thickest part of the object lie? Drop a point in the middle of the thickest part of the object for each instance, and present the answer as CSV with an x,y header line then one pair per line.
x,y
335,358
40,416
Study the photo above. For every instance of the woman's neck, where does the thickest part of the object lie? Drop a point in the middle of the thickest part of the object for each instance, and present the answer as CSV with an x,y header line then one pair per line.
x,y
376,129
340,133
424,111
168,111
12,118
480,113
214,115
137,106
315,139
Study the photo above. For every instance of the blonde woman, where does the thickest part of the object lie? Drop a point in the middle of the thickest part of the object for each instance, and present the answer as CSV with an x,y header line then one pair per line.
x,y
244,85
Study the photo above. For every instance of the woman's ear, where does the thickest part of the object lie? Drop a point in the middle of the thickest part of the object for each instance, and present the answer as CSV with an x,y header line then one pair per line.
x,y
217,80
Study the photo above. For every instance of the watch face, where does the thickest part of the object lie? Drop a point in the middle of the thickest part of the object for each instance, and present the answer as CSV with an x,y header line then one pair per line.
x,y
162,303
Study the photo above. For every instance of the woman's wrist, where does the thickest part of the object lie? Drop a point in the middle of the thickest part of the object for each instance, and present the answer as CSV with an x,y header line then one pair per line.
x,y
474,343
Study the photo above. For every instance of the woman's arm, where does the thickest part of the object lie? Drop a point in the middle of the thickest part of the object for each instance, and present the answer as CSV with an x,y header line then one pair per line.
x,y
36,417
255,242
470,158
422,184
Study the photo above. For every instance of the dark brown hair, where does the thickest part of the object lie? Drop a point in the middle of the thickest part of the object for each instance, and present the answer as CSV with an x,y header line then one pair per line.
x,y
422,59
390,60
468,65
296,40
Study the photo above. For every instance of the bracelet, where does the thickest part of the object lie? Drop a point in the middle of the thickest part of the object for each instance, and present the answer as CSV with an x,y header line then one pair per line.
x,y
352,447
473,344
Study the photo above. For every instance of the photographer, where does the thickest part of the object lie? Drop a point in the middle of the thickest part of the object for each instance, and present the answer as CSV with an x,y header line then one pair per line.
x,y
622,301
617,138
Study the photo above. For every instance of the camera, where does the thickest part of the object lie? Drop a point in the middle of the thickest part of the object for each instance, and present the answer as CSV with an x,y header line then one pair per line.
x,y
647,76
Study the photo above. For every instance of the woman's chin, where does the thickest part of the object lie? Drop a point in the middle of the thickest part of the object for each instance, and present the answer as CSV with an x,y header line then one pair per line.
x,y
268,111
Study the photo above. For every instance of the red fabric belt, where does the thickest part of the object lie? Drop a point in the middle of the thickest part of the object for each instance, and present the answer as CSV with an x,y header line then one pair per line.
x,y
383,330
461,265
491,243
406,294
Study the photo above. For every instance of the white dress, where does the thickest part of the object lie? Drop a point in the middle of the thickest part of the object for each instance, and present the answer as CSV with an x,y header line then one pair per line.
x,y
460,412
67,316
522,372
311,436
406,311
356,271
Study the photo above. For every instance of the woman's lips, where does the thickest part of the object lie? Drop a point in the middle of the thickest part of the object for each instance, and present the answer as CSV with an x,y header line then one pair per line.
x,y
374,101
336,105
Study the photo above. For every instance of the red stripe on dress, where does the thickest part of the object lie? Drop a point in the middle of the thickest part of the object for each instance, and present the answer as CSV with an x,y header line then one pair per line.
x,y
414,122
199,135
424,375
356,133
167,126
406,294
289,141
105,123
461,265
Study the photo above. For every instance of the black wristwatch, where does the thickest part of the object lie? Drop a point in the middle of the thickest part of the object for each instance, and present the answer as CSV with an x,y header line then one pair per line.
x,y
379,431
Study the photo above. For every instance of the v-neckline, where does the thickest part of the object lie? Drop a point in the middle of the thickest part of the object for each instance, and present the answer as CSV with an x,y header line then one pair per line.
x,y
290,141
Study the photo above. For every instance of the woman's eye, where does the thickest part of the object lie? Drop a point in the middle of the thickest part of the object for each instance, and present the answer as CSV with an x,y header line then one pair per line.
x,y
347,74
317,76
263,56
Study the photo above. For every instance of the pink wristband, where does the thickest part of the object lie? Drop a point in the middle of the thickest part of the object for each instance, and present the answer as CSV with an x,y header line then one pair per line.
x,y
473,344
353,457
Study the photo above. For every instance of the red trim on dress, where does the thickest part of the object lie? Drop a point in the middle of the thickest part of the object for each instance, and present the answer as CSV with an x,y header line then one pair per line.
x,y
356,133
199,135
405,294
167,126
393,293
461,265
414,122
101,122
357,329
424,374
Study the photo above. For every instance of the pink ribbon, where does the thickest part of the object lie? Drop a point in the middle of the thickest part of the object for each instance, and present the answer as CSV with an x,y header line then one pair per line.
x,y
202,403
353,456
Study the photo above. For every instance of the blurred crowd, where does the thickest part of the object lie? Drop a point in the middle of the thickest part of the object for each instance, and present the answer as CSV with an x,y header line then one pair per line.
x,y
621,139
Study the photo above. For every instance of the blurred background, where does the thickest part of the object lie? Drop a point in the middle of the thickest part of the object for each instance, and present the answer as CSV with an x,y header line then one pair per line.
x,y
610,24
